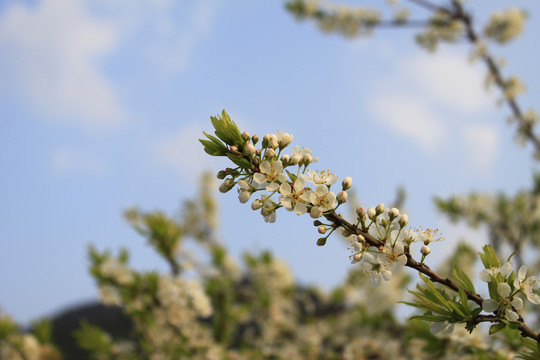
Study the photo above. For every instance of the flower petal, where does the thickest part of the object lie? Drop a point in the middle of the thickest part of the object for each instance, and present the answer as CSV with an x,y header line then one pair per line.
x,y
490,305
300,208
504,290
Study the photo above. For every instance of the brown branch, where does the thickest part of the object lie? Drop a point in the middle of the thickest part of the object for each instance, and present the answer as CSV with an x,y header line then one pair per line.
x,y
494,70
338,221
427,5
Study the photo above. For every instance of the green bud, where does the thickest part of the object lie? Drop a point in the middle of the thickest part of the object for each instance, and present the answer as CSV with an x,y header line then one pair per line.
x,y
321,242
221,175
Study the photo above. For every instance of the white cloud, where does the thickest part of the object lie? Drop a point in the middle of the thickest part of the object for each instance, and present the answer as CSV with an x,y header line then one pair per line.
x,y
50,56
428,96
68,161
183,153
482,146
448,78
410,116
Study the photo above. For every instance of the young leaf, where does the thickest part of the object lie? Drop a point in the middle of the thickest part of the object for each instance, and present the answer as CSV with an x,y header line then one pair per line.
x,y
495,328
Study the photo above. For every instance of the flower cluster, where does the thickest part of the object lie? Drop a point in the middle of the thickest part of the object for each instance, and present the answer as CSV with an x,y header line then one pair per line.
x,y
281,179
284,180
347,21
503,26
504,287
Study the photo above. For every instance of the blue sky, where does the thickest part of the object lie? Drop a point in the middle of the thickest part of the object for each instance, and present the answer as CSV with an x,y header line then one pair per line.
x,y
102,102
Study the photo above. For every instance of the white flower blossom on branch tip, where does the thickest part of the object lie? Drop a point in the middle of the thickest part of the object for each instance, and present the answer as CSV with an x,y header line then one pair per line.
x,y
395,253
300,153
321,177
488,275
322,199
294,198
271,175
377,267
527,285
505,305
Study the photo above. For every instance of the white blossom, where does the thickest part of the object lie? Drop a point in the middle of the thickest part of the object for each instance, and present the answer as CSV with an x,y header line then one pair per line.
x,y
506,304
377,267
271,175
294,198
488,275
395,254
322,199
244,191
300,153
283,139
527,285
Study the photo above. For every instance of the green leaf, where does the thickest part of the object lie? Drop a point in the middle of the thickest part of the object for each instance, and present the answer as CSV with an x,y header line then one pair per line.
x,y
514,324
489,257
430,318
239,160
464,301
291,175
463,280
495,328
212,149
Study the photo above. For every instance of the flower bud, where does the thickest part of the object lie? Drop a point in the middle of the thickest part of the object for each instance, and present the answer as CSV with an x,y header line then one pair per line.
x,y
234,148
403,220
425,250
257,204
285,160
347,183
270,154
226,186
393,213
321,230
267,210
255,139
317,223
244,196
221,175
284,139
321,241
342,197
245,136
380,209
307,159
250,150
258,152
295,159
360,238
361,212
357,257
372,213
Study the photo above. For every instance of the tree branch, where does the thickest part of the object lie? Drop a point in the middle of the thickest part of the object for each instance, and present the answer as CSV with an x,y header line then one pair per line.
x,y
338,221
